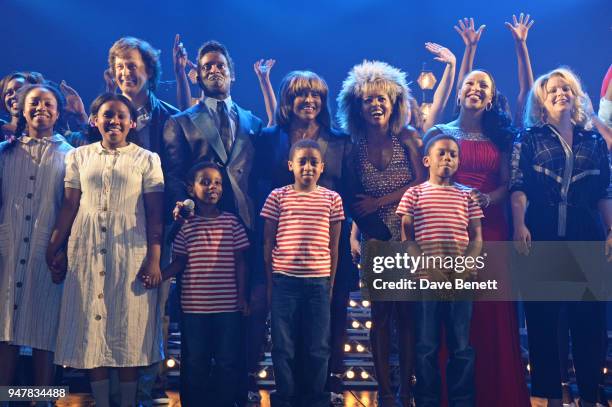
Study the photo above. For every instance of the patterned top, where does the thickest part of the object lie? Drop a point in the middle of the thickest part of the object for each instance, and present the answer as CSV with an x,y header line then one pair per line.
x,y
209,280
377,183
553,174
441,216
302,236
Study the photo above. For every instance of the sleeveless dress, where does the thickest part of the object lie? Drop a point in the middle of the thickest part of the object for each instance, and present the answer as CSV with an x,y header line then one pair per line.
x,y
500,374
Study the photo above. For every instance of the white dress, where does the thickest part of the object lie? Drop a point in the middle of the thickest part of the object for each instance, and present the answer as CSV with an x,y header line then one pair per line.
x,y
107,317
32,174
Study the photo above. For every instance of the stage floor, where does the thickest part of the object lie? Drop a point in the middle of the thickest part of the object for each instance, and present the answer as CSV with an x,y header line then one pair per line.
x,y
351,399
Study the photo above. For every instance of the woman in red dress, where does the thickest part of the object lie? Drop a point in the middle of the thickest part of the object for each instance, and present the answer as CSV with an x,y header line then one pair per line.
x,y
484,135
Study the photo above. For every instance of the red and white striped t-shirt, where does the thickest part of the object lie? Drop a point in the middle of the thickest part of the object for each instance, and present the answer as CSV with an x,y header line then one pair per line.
x,y
209,280
302,236
441,216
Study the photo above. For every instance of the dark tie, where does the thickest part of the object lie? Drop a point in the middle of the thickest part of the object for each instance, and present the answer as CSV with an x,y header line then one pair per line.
x,y
225,130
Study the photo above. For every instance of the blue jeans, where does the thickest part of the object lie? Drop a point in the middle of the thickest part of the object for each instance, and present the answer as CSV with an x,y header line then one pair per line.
x,y
204,337
456,317
300,340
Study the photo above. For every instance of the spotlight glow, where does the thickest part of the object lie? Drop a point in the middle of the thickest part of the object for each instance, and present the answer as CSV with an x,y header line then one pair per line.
x,y
364,375
347,347
263,373
360,348
170,363
368,324
365,303
350,374
353,303
355,324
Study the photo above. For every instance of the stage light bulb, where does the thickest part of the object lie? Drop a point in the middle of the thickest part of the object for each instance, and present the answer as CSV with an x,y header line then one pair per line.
x,y
360,348
355,324
364,375
353,303
368,324
263,373
170,363
365,303
605,370
528,367
347,347
350,374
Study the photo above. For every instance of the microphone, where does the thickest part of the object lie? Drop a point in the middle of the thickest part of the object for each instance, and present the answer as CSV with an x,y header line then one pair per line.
x,y
185,212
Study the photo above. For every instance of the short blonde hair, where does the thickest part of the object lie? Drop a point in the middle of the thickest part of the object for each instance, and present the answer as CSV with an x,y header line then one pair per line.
x,y
364,78
535,112
292,85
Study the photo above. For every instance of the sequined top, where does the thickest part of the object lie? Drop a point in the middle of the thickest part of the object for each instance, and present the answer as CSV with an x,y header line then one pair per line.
x,y
377,183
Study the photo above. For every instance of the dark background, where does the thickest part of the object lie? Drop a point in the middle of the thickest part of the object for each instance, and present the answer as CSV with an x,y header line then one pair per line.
x,y
69,39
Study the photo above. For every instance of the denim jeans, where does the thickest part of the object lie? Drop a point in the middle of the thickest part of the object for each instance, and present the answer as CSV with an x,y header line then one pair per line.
x,y
205,337
300,340
456,317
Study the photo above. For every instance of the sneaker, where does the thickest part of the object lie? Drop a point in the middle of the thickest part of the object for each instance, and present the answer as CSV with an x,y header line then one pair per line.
x,y
160,398
337,399
567,397
253,397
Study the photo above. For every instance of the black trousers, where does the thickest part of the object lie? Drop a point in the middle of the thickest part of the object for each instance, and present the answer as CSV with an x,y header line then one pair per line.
x,y
587,326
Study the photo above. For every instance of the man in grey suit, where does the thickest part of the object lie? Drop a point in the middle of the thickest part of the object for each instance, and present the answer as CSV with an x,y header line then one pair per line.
x,y
217,130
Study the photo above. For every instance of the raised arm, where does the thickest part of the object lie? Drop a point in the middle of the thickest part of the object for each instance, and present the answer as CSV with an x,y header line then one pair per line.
x,y
445,86
74,104
262,70
519,29
470,36
180,60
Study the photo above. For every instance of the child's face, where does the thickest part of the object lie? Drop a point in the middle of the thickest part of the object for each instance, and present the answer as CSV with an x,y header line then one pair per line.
x,y
307,166
443,158
40,109
207,186
114,122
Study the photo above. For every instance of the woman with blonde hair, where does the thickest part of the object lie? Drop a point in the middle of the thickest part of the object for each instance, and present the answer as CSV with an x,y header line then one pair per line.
x,y
559,192
373,108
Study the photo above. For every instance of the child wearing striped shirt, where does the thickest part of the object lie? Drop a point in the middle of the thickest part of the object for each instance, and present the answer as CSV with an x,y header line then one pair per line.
x,y
301,236
442,220
208,251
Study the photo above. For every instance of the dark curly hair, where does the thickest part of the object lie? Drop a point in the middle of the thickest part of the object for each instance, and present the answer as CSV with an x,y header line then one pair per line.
x,y
23,93
93,134
29,78
497,121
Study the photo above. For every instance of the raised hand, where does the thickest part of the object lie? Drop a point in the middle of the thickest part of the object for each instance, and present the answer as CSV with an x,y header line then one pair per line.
x,y
179,54
74,103
262,68
466,29
520,28
109,80
441,53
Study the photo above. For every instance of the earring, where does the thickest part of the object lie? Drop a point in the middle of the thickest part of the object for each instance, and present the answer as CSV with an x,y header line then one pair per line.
x,y
489,106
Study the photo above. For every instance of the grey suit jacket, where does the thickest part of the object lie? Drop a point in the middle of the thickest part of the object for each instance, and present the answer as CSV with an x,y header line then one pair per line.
x,y
192,136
